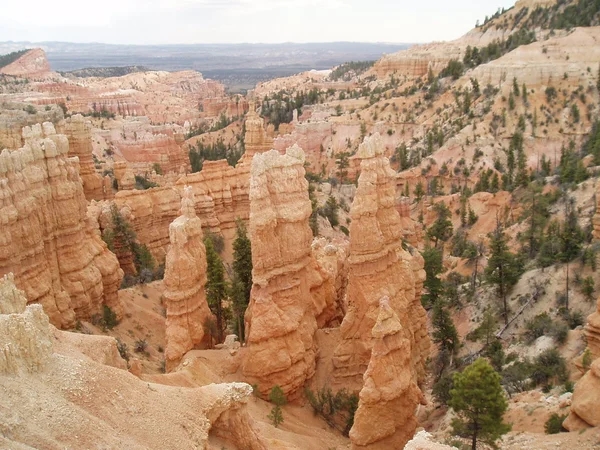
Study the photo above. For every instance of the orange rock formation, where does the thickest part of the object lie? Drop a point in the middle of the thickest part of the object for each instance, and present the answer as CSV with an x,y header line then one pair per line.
x,y
57,258
379,267
185,278
584,404
385,418
280,320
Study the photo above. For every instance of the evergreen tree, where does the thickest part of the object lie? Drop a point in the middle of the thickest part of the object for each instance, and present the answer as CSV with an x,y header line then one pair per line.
x,y
242,275
479,402
419,191
441,229
503,269
277,397
525,94
215,285
433,267
444,334
516,89
342,161
572,235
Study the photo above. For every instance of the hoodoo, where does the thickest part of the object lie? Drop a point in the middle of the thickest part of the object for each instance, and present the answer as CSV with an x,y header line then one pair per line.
x,y
379,267
185,279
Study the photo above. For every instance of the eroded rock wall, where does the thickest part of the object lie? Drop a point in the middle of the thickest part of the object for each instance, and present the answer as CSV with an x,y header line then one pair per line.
x,y
56,257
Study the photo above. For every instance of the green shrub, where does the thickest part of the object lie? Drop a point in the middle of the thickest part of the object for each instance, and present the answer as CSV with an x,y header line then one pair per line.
x,y
554,424
109,318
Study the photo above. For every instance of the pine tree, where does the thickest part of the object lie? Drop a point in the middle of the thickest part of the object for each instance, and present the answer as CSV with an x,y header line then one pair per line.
x,y
525,95
419,191
433,267
444,334
503,268
342,161
441,229
479,402
242,275
277,397
516,89
215,285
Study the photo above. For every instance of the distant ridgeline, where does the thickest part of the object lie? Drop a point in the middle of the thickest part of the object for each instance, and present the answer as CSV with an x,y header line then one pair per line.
x,y
10,58
105,72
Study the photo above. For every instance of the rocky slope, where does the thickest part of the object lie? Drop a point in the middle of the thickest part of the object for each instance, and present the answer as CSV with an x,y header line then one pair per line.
x,y
83,395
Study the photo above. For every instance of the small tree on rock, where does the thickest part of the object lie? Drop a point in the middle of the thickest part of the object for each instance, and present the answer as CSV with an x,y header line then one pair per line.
x,y
277,397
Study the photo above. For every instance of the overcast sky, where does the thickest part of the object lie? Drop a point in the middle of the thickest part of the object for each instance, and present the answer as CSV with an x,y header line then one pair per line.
x,y
235,21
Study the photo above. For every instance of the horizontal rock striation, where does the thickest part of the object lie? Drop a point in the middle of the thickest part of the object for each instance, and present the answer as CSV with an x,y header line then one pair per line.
x,y
46,240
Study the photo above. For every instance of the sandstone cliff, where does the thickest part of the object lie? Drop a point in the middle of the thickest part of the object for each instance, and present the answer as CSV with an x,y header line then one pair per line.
x,y
385,417
185,279
378,267
57,258
280,320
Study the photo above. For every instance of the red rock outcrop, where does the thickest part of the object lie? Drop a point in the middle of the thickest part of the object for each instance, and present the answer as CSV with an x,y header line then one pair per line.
x,y
56,256
231,107
32,64
124,176
385,417
161,96
143,145
378,267
221,192
313,138
185,278
280,320
78,130
330,262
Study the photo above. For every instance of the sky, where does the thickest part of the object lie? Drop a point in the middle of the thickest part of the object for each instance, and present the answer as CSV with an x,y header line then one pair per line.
x,y
237,21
